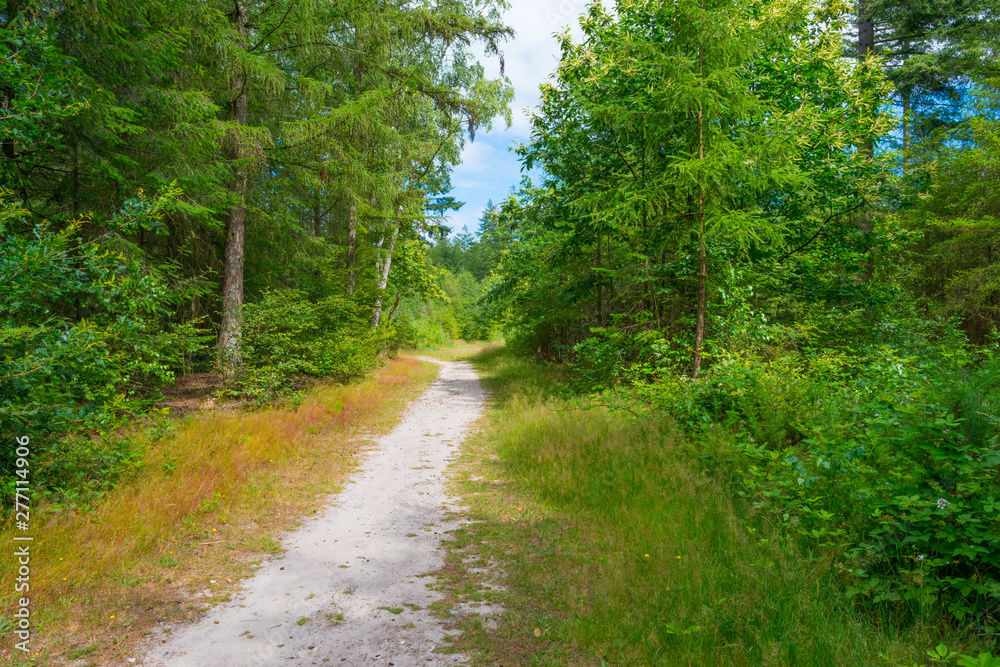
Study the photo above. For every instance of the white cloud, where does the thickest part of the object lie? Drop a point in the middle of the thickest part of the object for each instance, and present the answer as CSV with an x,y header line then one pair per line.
x,y
467,217
533,54
478,156
488,169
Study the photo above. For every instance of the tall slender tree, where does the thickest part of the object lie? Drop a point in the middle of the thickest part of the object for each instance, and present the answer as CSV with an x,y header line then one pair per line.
x,y
236,215
678,137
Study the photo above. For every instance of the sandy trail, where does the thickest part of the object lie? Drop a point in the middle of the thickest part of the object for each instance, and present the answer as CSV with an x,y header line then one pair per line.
x,y
367,550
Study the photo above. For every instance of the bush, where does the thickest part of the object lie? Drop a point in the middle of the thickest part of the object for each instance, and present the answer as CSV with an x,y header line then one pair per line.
x,y
287,336
887,464
84,342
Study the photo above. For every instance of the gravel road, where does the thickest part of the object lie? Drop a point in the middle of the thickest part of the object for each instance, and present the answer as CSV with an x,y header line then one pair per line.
x,y
353,572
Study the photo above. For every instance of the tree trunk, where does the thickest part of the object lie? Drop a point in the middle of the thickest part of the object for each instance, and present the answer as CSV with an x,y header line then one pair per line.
x,y
8,94
382,268
866,31
392,310
352,242
76,175
699,327
866,48
232,276
906,126
905,93
600,285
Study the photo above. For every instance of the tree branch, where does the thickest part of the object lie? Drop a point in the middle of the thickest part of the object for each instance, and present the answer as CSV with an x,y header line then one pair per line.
x,y
818,231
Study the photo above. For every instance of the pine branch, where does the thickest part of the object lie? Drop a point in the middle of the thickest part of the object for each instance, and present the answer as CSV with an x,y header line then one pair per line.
x,y
818,231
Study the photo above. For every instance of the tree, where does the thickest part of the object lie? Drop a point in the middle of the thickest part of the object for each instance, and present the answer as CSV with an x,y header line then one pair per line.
x,y
373,99
236,215
688,136
929,49
953,261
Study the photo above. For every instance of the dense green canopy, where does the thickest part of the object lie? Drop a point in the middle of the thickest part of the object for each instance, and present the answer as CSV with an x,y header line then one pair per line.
x,y
772,223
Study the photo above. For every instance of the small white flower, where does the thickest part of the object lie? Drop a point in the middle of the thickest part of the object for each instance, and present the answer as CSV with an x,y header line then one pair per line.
x,y
920,557
942,503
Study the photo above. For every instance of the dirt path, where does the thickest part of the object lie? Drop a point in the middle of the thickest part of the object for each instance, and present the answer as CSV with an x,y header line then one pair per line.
x,y
354,572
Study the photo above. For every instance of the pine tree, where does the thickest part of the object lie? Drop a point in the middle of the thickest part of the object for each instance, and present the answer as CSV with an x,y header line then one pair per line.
x,y
682,136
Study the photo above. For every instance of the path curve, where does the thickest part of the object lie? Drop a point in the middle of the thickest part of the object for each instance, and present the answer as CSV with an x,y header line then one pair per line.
x,y
366,551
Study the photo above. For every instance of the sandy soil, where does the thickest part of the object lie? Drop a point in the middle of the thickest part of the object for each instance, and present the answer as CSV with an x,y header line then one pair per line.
x,y
349,588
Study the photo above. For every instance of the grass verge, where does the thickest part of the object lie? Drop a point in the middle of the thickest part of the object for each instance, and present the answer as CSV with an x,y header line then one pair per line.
x,y
459,350
211,500
608,542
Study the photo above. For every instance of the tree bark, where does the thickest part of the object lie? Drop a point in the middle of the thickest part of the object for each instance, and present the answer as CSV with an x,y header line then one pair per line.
x,y
352,243
866,31
906,126
232,271
906,93
392,310
8,94
600,285
382,268
699,327
866,48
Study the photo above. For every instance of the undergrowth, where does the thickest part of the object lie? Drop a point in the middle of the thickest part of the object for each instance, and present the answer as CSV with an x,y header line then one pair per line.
x,y
884,461
623,542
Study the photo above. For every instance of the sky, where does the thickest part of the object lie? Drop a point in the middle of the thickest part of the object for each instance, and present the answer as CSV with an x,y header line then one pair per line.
x,y
489,169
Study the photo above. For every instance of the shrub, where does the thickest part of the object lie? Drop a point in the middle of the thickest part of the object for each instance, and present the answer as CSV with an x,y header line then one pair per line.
x,y
887,465
287,336
84,342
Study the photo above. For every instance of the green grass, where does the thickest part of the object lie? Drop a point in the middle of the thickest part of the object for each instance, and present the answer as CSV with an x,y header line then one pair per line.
x,y
393,610
618,547
458,350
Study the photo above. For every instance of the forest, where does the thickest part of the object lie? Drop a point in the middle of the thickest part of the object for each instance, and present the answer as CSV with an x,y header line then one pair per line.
x,y
240,187
770,225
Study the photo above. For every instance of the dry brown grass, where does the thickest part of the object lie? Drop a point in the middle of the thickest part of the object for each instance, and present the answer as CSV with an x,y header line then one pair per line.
x,y
171,542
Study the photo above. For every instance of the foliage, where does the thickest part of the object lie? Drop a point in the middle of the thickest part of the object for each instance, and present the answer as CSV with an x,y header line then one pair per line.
x,y
286,336
884,461
683,144
940,654
461,269
706,171
953,230
932,52
463,254
453,315
333,126
84,339
621,548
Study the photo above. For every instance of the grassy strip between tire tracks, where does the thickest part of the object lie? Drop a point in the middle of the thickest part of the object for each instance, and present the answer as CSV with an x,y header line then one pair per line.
x,y
608,543
212,498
